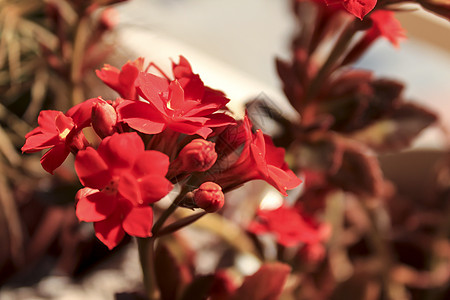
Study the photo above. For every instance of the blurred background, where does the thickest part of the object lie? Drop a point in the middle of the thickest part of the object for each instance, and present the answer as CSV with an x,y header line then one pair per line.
x,y
46,253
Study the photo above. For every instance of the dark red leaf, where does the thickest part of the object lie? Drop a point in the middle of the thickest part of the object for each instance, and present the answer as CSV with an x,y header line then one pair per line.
x,y
359,171
171,275
199,288
266,284
397,130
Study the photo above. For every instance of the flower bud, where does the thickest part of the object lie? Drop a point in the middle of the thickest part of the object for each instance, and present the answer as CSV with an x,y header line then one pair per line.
x,y
104,119
108,18
312,253
197,156
223,286
209,196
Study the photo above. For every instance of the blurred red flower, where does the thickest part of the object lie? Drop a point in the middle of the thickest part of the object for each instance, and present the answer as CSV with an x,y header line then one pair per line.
x,y
358,8
287,224
386,25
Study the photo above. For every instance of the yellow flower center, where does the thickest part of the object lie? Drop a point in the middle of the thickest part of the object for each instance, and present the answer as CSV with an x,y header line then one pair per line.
x,y
64,134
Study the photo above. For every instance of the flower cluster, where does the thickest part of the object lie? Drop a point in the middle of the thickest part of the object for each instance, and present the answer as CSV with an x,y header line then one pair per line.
x,y
161,131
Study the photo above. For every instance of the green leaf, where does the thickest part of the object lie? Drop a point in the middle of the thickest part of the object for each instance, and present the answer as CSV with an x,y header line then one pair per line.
x,y
199,288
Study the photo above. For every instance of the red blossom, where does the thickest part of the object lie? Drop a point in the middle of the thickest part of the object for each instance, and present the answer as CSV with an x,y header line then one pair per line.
x,y
194,88
358,8
191,83
260,159
61,133
122,81
121,179
386,25
287,224
167,107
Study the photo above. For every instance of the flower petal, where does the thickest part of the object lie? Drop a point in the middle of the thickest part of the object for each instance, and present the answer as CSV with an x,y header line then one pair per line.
x,y
282,179
141,116
129,189
63,125
386,25
93,205
176,96
109,231
220,119
120,151
258,151
151,162
40,141
359,8
92,169
151,87
139,221
204,132
154,187
81,113
54,157
46,120
185,126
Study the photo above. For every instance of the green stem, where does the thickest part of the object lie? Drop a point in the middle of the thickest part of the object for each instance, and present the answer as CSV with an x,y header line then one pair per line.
x,y
166,214
181,223
146,248
76,68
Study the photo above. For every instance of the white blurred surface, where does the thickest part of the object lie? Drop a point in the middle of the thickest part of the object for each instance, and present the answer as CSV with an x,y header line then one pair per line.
x,y
232,45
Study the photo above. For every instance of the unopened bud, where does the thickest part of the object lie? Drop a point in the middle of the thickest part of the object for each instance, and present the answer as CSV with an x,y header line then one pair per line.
x,y
197,156
223,285
209,196
109,18
312,253
104,119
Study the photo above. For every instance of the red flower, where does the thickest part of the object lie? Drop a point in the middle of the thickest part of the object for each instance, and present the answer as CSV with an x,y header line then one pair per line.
x,y
260,159
191,83
358,8
121,180
59,132
288,225
386,25
167,106
122,81
194,88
